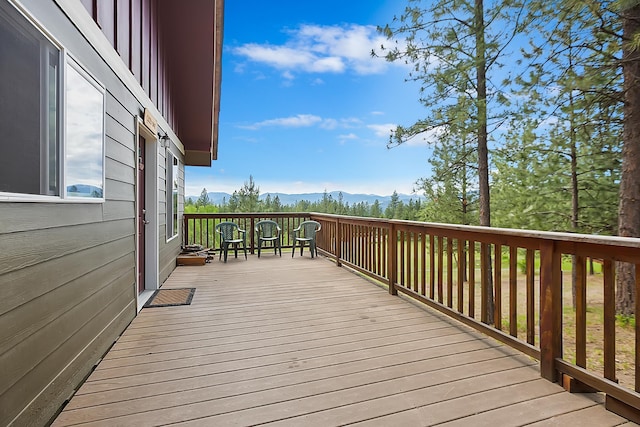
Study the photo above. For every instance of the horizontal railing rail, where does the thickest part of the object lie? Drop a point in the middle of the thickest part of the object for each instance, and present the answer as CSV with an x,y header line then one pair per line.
x,y
534,291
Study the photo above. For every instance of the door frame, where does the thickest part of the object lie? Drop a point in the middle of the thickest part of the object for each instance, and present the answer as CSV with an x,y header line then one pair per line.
x,y
151,235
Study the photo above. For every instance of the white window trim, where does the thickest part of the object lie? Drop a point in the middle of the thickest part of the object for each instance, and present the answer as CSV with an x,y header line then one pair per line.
x,y
70,60
169,196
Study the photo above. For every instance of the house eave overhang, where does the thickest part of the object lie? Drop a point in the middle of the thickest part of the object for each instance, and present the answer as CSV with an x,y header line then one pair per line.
x,y
192,35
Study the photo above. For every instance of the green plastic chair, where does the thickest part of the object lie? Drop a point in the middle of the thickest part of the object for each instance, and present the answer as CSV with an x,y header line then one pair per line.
x,y
269,231
231,234
306,233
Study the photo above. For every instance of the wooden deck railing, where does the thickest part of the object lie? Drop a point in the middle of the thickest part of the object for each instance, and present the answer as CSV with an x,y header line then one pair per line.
x,y
461,270
200,228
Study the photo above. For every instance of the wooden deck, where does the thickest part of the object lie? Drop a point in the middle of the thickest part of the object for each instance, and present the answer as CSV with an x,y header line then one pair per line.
x,y
300,342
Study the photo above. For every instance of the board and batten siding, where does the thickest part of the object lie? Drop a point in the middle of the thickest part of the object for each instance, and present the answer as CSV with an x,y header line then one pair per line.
x,y
138,44
67,270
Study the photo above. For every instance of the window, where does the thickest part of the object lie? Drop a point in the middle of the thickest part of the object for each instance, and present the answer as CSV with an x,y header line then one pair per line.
x,y
29,107
172,195
84,134
51,118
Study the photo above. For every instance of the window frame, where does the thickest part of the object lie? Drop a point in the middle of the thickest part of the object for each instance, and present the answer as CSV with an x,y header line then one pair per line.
x,y
172,212
65,58
71,61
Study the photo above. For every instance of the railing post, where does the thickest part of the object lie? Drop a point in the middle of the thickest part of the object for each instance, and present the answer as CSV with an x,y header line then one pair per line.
x,y
550,310
338,243
392,261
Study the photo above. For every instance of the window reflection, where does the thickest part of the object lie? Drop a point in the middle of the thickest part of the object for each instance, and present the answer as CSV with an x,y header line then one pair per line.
x,y
84,150
29,107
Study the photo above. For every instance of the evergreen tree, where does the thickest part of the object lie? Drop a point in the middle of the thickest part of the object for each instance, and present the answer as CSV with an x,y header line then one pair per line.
x,y
277,204
393,210
248,197
455,48
376,209
629,205
203,200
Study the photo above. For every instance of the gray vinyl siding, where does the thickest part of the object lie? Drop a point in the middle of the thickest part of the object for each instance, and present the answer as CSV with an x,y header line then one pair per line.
x,y
67,270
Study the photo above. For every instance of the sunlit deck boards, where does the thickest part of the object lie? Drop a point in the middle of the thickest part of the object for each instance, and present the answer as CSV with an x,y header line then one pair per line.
x,y
301,342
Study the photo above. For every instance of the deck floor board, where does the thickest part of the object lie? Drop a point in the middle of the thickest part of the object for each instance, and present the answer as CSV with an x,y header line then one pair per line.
x,y
295,341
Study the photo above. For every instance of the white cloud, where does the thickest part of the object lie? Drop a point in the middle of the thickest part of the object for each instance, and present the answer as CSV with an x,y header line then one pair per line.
x,y
329,124
427,138
347,137
288,75
301,120
383,130
321,49
305,120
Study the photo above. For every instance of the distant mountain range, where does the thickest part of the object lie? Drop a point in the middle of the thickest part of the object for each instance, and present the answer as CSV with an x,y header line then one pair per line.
x,y
84,190
292,199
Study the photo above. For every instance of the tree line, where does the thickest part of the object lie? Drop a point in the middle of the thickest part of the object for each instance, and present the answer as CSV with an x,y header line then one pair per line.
x,y
247,199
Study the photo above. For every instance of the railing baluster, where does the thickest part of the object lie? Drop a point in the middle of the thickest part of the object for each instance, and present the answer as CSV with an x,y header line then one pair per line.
x,y
609,320
472,279
423,270
484,282
409,260
403,258
513,291
531,332
432,267
416,263
383,243
497,283
440,271
461,245
449,272
581,312
338,243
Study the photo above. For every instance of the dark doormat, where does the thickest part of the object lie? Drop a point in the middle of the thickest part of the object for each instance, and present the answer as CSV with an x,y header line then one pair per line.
x,y
170,297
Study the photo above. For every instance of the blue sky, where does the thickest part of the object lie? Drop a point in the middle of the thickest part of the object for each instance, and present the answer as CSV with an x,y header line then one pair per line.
x,y
304,107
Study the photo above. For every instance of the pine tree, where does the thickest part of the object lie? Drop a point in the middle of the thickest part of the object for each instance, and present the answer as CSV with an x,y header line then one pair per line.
x,y
629,207
455,48
203,200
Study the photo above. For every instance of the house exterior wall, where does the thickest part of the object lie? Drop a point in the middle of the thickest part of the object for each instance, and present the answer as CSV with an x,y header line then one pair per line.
x,y
68,268
131,27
